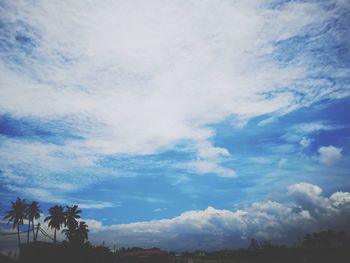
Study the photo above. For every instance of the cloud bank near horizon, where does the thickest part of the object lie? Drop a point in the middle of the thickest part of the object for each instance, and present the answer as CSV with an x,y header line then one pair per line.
x,y
306,211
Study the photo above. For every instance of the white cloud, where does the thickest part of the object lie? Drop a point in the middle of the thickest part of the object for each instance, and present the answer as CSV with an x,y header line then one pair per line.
x,y
300,133
137,77
47,155
159,209
306,212
329,154
340,199
206,167
305,142
94,225
97,205
39,170
305,188
54,196
156,76
308,197
210,159
214,228
311,127
208,151
38,194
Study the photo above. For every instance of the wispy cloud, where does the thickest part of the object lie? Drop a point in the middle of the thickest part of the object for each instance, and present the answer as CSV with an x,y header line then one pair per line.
x,y
97,205
136,78
127,78
159,209
209,167
302,133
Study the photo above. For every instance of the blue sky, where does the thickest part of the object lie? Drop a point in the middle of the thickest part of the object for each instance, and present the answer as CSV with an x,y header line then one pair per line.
x,y
164,113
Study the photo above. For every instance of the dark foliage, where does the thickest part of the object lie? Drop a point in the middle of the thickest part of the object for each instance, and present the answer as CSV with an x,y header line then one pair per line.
x,y
42,252
326,239
6,259
321,247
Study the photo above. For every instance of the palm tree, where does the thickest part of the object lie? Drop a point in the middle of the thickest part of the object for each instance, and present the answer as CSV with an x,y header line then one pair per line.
x,y
33,212
56,219
71,215
17,215
77,235
82,232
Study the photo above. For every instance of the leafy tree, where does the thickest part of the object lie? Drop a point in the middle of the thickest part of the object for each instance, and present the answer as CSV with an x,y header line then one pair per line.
x,y
56,219
17,214
33,212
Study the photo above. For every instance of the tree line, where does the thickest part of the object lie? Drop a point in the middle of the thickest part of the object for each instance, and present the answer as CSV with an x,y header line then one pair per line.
x,y
60,217
322,240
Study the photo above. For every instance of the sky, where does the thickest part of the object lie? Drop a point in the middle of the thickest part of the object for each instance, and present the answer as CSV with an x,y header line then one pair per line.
x,y
178,124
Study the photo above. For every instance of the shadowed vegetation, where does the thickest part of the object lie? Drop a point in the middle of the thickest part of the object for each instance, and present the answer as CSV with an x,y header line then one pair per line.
x,y
17,215
33,212
56,219
321,247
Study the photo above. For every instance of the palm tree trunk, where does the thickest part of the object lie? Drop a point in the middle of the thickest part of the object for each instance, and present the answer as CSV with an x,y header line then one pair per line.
x,y
18,237
28,231
34,239
37,231
54,236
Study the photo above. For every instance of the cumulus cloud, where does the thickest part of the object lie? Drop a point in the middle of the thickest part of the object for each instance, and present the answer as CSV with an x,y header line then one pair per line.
x,y
210,159
213,228
329,155
305,189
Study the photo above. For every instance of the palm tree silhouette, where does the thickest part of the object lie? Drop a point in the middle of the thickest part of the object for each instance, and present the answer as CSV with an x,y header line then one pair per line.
x,y
56,219
33,212
77,235
82,232
17,214
71,215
